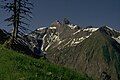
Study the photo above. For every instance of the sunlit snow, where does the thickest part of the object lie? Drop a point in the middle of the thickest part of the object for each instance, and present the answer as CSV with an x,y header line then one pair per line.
x,y
52,27
41,28
72,26
76,32
109,27
91,29
43,41
117,39
79,40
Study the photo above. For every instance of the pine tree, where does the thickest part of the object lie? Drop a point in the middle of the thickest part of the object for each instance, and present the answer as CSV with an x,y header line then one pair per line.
x,y
20,11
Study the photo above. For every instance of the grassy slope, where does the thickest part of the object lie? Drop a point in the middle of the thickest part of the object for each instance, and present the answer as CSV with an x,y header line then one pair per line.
x,y
15,66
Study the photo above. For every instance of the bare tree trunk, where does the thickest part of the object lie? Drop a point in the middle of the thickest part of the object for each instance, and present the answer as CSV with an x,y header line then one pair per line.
x,y
18,17
20,10
14,24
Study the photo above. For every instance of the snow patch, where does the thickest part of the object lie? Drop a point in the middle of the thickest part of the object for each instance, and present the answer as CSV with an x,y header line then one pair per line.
x,y
52,38
109,28
88,35
79,40
72,26
91,29
60,42
43,41
117,31
117,39
41,28
112,29
52,27
76,32
47,47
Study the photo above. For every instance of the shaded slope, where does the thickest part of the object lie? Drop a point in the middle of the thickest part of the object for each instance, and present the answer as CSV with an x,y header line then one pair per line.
x,y
15,66
100,53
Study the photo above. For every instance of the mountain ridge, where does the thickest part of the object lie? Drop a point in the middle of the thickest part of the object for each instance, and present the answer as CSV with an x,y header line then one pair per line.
x,y
94,51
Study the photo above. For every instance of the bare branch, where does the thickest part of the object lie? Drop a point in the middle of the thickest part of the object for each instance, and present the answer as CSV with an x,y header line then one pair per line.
x,y
10,19
23,17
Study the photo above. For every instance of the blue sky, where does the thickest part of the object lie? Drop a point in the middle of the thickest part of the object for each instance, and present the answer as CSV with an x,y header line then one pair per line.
x,y
81,12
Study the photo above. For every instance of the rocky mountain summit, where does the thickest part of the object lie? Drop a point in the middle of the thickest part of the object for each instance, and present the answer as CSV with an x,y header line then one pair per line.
x,y
94,51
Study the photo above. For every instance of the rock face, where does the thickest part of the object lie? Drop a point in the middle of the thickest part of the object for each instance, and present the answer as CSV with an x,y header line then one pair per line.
x,y
3,36
94,51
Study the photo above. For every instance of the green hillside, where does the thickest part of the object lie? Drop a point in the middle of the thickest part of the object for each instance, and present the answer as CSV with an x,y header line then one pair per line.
x,y
15,66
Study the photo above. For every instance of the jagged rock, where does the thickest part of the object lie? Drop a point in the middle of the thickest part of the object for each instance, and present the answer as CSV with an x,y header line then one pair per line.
x,y
66,21
56,23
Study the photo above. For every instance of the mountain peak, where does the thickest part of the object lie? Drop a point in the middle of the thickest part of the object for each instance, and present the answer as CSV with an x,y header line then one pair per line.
x,y
56,23
66,21
83,48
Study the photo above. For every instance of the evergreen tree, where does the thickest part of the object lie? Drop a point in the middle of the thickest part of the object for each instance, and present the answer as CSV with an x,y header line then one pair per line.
x,y
20,11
